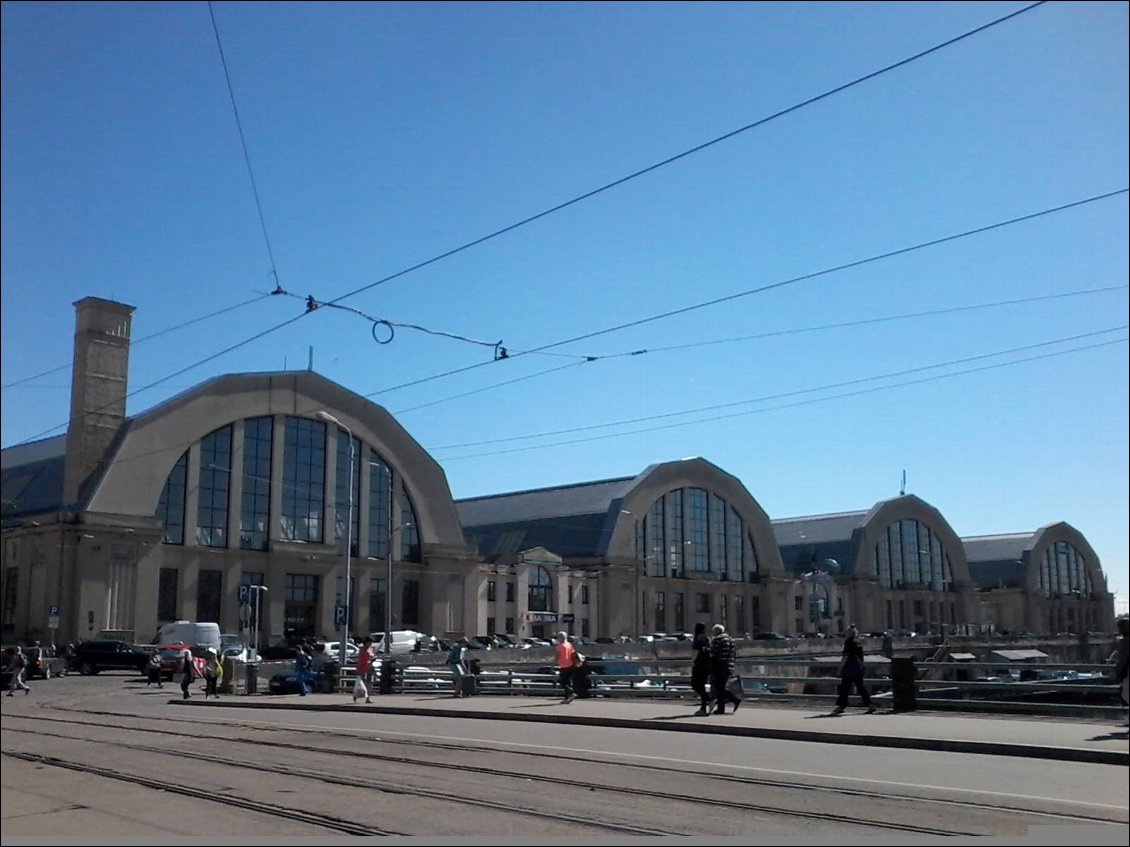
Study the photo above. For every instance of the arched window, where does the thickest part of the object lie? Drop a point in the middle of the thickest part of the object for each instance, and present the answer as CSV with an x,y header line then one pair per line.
x,y
170,508
910,556
304,480
1063,571
540,592
214,488
691,532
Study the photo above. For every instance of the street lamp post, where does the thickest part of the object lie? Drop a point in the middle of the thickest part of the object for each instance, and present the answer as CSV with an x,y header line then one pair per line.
x,y
256,625
326,416
640,564
388,570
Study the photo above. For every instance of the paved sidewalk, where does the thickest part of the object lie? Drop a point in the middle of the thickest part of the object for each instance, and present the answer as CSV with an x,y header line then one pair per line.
x,y
1059,738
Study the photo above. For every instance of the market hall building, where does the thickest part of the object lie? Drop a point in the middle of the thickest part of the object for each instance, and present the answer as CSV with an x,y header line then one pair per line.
x,y
124,524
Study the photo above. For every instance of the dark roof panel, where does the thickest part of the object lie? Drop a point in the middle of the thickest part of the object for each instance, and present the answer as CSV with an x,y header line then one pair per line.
x,y
817,529
32,488
997,548
590,498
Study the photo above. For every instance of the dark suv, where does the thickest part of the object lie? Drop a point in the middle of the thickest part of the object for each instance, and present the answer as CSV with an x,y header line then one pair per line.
x,y
94,656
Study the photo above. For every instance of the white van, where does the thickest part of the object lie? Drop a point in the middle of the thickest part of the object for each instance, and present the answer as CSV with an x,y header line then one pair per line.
x,y
193,633
403,640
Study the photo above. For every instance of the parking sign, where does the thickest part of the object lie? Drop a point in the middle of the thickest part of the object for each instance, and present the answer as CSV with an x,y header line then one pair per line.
x,y
243,594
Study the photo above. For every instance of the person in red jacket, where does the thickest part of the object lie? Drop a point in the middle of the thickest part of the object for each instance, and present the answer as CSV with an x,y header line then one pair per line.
x,y
564,650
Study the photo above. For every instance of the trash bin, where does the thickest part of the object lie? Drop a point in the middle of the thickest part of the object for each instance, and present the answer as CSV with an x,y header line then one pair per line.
x,y
252,678
331,672
389,676
904,686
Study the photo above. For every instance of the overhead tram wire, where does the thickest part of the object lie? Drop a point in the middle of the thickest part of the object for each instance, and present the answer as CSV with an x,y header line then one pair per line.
x,y
781,284
773,334
696,149
150,337
829,387
808,402
580,198
516,354
243,145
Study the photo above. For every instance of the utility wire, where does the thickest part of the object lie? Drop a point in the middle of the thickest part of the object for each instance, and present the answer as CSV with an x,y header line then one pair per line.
x,y
760,122
165,378
788,405
607,186
829,387
853,264
243,144
805,277
568,203
488,388
145,338
777,333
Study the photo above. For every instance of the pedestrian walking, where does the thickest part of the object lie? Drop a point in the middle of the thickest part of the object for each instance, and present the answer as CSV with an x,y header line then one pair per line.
x,y
851,673
363,684
213,674
723,654
188,672
302,664
456,662
153,670
16,664
700,667
564,651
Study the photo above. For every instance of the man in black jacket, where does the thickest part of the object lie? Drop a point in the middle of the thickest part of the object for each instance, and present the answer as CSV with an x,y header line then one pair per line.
x,y
851,673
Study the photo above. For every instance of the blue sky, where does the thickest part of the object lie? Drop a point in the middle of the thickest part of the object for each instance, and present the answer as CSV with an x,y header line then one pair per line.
x,y
382,136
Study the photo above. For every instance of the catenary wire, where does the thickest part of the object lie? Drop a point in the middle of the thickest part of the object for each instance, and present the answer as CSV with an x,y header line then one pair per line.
x,y
780,284
575,200
696,149
808,402
824,272
243,144
731,404
778,333
144,338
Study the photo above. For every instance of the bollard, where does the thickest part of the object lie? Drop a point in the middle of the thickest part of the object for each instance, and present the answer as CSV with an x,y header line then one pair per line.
x,y
904,685
252,678
388,675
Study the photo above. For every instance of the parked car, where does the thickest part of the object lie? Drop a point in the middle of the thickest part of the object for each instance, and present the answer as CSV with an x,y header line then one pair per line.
x,y
333,650
92,657
769,636
480,642
171,658
43,666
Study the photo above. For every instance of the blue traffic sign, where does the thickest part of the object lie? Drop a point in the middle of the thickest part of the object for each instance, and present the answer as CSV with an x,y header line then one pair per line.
x,y
52,611
339,616
243,594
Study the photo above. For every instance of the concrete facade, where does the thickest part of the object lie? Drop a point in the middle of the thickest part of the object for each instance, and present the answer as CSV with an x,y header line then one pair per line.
x,y
87,546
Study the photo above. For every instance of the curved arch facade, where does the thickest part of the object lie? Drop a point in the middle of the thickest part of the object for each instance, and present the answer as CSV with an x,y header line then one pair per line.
x,y
240,481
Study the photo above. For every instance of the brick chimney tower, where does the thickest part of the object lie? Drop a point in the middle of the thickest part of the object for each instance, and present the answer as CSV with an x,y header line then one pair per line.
x,y
98,388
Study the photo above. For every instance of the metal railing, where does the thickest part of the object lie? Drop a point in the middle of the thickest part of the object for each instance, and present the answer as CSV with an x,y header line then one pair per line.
x,y
1080,690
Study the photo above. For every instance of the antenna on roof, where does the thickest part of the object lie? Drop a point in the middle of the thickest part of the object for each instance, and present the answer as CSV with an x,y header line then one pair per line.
x,y
902,491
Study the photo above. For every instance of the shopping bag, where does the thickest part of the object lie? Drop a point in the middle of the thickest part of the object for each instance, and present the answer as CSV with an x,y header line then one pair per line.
x,y
359,689
734,686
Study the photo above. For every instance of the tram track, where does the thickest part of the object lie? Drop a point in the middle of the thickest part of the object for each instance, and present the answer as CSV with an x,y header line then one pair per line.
x,y
502,775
